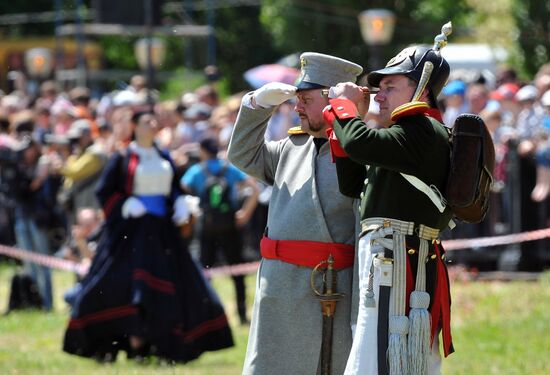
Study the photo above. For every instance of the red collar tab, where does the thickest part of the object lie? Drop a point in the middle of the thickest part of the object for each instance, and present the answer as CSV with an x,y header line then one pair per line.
x,y
416,108
434,113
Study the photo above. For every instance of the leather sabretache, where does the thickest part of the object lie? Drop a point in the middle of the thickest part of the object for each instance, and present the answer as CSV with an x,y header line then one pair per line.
x,y
471,168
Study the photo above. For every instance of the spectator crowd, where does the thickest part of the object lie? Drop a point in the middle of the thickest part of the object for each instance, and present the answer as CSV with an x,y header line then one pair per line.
x,y
54,145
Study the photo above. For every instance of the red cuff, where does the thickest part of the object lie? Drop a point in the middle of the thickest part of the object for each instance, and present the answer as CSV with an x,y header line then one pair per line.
x,y
340,109
344,108
329,116
336,149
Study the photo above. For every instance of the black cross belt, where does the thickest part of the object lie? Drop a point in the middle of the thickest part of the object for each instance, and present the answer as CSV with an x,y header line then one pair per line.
x,y
383,322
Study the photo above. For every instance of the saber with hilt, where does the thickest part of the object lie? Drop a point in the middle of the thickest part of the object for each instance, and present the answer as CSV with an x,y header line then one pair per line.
x,y
328,298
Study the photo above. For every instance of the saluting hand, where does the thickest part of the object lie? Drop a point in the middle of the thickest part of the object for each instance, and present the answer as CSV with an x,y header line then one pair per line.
x,y
273,94
359,95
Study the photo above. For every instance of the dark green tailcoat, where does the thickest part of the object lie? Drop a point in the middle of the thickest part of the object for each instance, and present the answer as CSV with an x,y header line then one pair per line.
x,y
417,145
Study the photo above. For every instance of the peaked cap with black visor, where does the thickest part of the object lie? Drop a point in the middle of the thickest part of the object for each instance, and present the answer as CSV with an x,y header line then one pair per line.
x,y
319,71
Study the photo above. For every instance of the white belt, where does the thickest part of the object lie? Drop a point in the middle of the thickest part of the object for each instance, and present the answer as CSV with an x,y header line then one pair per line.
x,y
407,228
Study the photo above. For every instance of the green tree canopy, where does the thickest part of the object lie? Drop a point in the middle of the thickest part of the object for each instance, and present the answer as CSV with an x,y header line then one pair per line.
x,y
241,42
330,26
533,20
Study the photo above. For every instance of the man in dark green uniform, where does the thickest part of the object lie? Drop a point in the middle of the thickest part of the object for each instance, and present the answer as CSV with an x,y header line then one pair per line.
x,y
398,171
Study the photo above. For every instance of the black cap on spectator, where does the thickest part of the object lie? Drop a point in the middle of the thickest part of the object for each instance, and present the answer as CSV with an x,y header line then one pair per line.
x,y
210,145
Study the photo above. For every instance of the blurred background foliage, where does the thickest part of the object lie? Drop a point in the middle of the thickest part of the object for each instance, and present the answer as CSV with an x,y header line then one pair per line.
x,y
253,32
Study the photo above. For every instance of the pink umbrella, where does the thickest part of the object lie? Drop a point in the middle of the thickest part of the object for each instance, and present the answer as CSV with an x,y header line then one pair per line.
x,y
263,74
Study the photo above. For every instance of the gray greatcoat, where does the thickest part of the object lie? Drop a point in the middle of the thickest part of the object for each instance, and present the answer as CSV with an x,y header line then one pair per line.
x,y
285,335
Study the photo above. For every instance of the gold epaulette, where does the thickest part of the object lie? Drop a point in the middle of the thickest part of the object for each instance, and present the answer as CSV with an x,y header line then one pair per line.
x,y
296,130
409,109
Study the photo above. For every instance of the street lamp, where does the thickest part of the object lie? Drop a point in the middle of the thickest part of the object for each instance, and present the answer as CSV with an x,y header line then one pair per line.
x,y
150,53
39,62
377,27
158,52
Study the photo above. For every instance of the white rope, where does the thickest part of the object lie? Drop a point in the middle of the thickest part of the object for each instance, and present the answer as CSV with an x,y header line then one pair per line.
x,y
370,302
398,321
419,318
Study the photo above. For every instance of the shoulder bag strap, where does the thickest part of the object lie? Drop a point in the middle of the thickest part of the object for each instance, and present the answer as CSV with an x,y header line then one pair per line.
x,y
431,192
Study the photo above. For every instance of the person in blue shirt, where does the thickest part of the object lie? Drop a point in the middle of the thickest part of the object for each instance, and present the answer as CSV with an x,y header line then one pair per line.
x,y
221,227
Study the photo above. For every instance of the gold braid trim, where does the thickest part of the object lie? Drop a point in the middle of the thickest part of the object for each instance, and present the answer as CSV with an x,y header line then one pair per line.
x,y
410,108
296,130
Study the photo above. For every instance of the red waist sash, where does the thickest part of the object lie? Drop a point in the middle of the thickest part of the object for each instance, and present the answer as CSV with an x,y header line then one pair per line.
x,y
307,253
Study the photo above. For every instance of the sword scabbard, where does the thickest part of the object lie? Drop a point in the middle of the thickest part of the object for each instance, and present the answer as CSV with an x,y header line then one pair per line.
x,y
328,297
329,307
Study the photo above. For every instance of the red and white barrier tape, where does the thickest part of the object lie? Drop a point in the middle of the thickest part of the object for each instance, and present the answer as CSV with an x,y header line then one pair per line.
x,y
247,268
496,240
43,260
233,270
81,269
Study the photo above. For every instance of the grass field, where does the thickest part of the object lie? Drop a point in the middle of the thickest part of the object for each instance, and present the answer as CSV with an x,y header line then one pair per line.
x,y
498,328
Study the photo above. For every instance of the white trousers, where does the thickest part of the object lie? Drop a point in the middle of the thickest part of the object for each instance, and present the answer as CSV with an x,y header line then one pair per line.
x,y
363,359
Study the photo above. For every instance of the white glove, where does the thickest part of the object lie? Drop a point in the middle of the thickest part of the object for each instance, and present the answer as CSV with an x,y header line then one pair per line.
x,y
181,211
346,90
133,207
333,92
273,94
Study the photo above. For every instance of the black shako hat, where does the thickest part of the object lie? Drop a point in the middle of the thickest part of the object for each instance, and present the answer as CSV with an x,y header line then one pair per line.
x,y
410,62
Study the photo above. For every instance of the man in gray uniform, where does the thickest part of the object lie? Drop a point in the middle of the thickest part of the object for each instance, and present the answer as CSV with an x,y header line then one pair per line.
x,y
308,220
